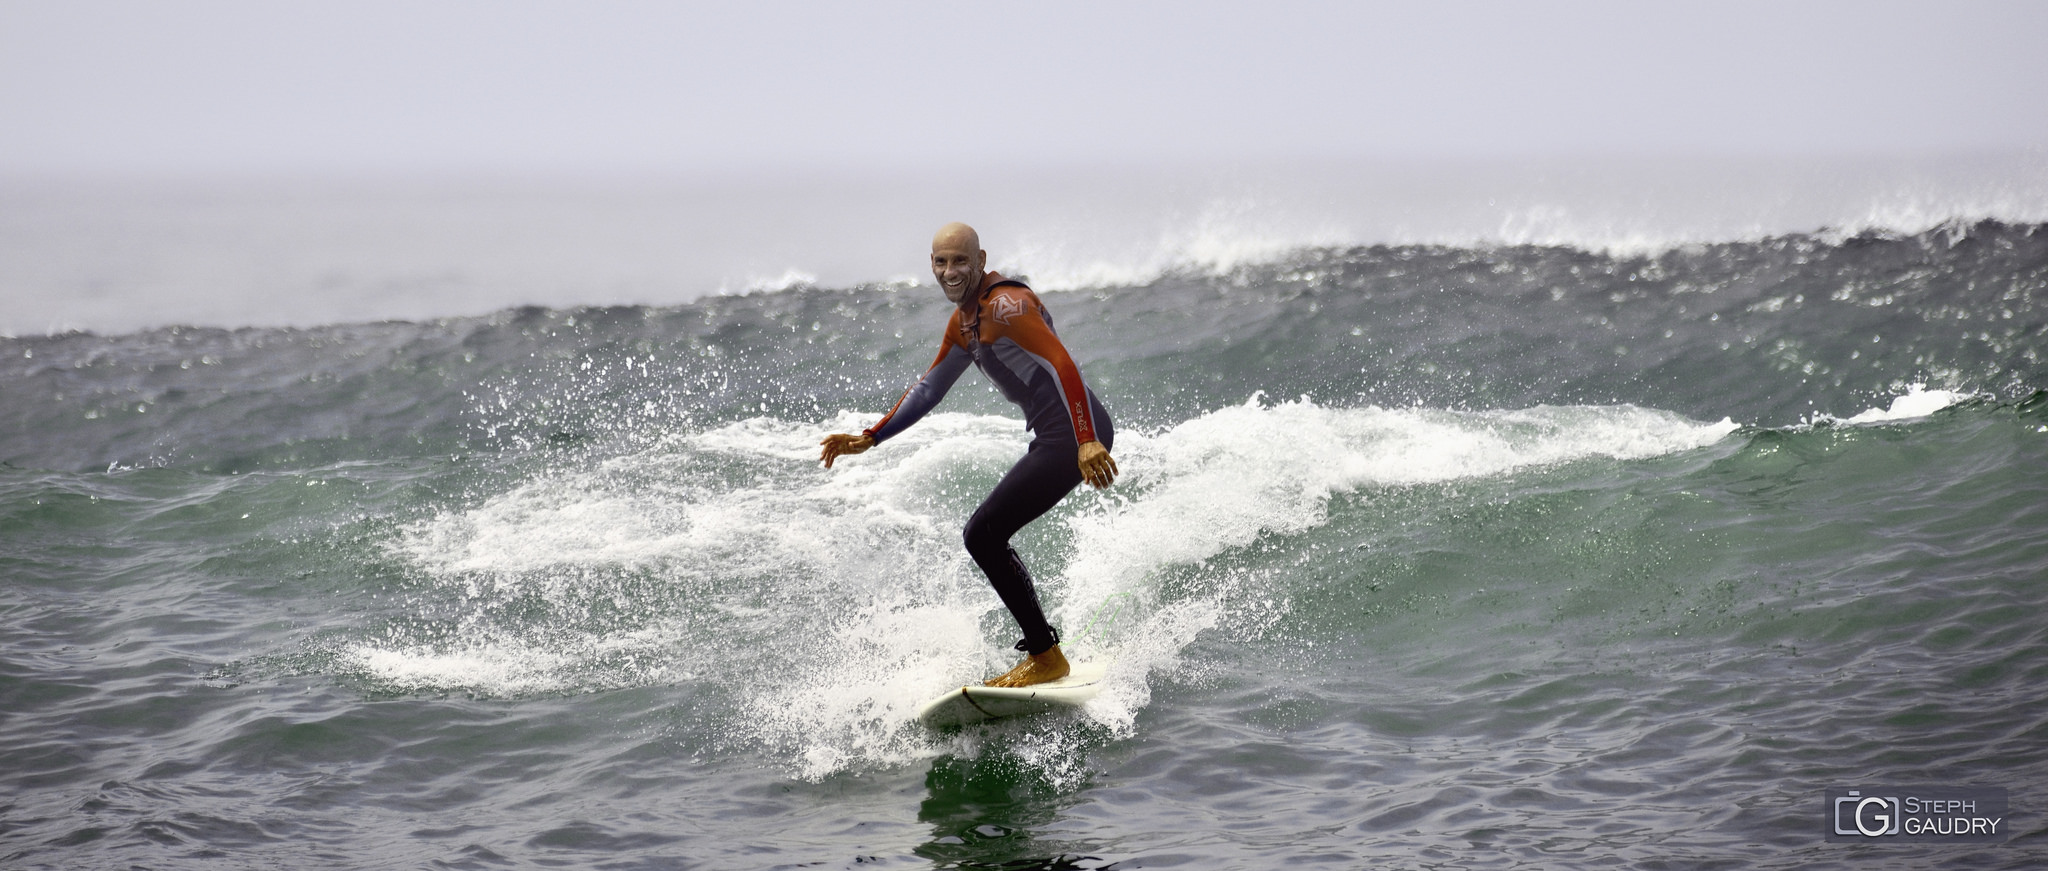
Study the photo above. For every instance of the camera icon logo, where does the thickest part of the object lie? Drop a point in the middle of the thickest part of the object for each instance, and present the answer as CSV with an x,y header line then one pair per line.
x,y
1868,815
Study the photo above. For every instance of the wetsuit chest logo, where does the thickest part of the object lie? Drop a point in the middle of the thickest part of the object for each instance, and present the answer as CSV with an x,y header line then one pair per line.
x,y
1004,307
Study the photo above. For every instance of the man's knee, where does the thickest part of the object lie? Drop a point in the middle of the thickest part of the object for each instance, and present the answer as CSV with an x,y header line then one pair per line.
x,y
981,537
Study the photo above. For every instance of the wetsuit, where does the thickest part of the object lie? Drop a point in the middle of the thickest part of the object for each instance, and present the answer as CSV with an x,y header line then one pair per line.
x,y
1005,331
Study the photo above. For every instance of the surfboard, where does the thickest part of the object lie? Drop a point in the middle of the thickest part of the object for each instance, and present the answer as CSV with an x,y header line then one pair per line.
x,y
973,704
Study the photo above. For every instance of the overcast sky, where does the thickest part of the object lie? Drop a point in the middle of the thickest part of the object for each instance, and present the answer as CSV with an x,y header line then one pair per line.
x,y
498,87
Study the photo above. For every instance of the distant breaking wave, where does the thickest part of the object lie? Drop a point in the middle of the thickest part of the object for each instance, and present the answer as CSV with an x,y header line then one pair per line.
x,y
118,258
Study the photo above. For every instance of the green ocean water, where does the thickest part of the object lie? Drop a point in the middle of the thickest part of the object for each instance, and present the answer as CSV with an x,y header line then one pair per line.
x,y
1423,557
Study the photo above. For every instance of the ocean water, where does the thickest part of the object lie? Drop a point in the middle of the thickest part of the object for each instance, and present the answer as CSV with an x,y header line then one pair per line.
x,y
1489,555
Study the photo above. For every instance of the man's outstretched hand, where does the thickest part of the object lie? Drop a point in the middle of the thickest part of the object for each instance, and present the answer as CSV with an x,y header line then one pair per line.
x,y
1096,466
839,443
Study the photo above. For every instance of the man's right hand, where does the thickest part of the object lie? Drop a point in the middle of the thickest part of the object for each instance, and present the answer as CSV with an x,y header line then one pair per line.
x,y
840,443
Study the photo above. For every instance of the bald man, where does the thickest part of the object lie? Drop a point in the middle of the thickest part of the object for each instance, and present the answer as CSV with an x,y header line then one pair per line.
x,y
1000,327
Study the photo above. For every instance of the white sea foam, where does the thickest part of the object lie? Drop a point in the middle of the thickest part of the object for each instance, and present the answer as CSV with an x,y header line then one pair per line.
x,y
854,579
1221,235
1917,401
1239,473
552,522
789,279
494,664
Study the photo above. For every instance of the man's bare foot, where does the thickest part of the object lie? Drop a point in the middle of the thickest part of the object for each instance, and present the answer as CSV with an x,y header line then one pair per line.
x,y
1036,669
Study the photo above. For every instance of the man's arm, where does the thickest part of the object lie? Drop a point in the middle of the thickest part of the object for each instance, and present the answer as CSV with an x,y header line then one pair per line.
x,y
915,402
1029,329
923,396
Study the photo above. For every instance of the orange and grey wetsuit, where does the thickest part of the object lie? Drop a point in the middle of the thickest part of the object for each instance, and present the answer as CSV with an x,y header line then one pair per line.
x,y
1005,331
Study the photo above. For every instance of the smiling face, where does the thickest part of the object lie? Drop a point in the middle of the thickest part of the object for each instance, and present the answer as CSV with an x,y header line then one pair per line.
x,y
958,261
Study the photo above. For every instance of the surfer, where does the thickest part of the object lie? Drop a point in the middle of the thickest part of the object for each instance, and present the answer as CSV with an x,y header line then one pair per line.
x,y
1000,326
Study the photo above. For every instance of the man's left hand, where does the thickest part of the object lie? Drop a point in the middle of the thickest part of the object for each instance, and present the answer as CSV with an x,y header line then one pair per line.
x,y
1097,468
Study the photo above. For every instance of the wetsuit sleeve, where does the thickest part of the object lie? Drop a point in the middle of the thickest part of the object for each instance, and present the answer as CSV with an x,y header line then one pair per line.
x,y
926,393
1033,333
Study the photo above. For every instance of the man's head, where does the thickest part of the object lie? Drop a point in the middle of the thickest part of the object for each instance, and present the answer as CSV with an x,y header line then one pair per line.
x,y
958,261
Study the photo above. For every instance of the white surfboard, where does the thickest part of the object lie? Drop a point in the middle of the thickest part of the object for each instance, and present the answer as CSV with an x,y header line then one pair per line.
x,y
974,704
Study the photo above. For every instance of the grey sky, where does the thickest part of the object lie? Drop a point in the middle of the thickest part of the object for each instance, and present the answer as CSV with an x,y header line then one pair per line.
x,y
621,88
